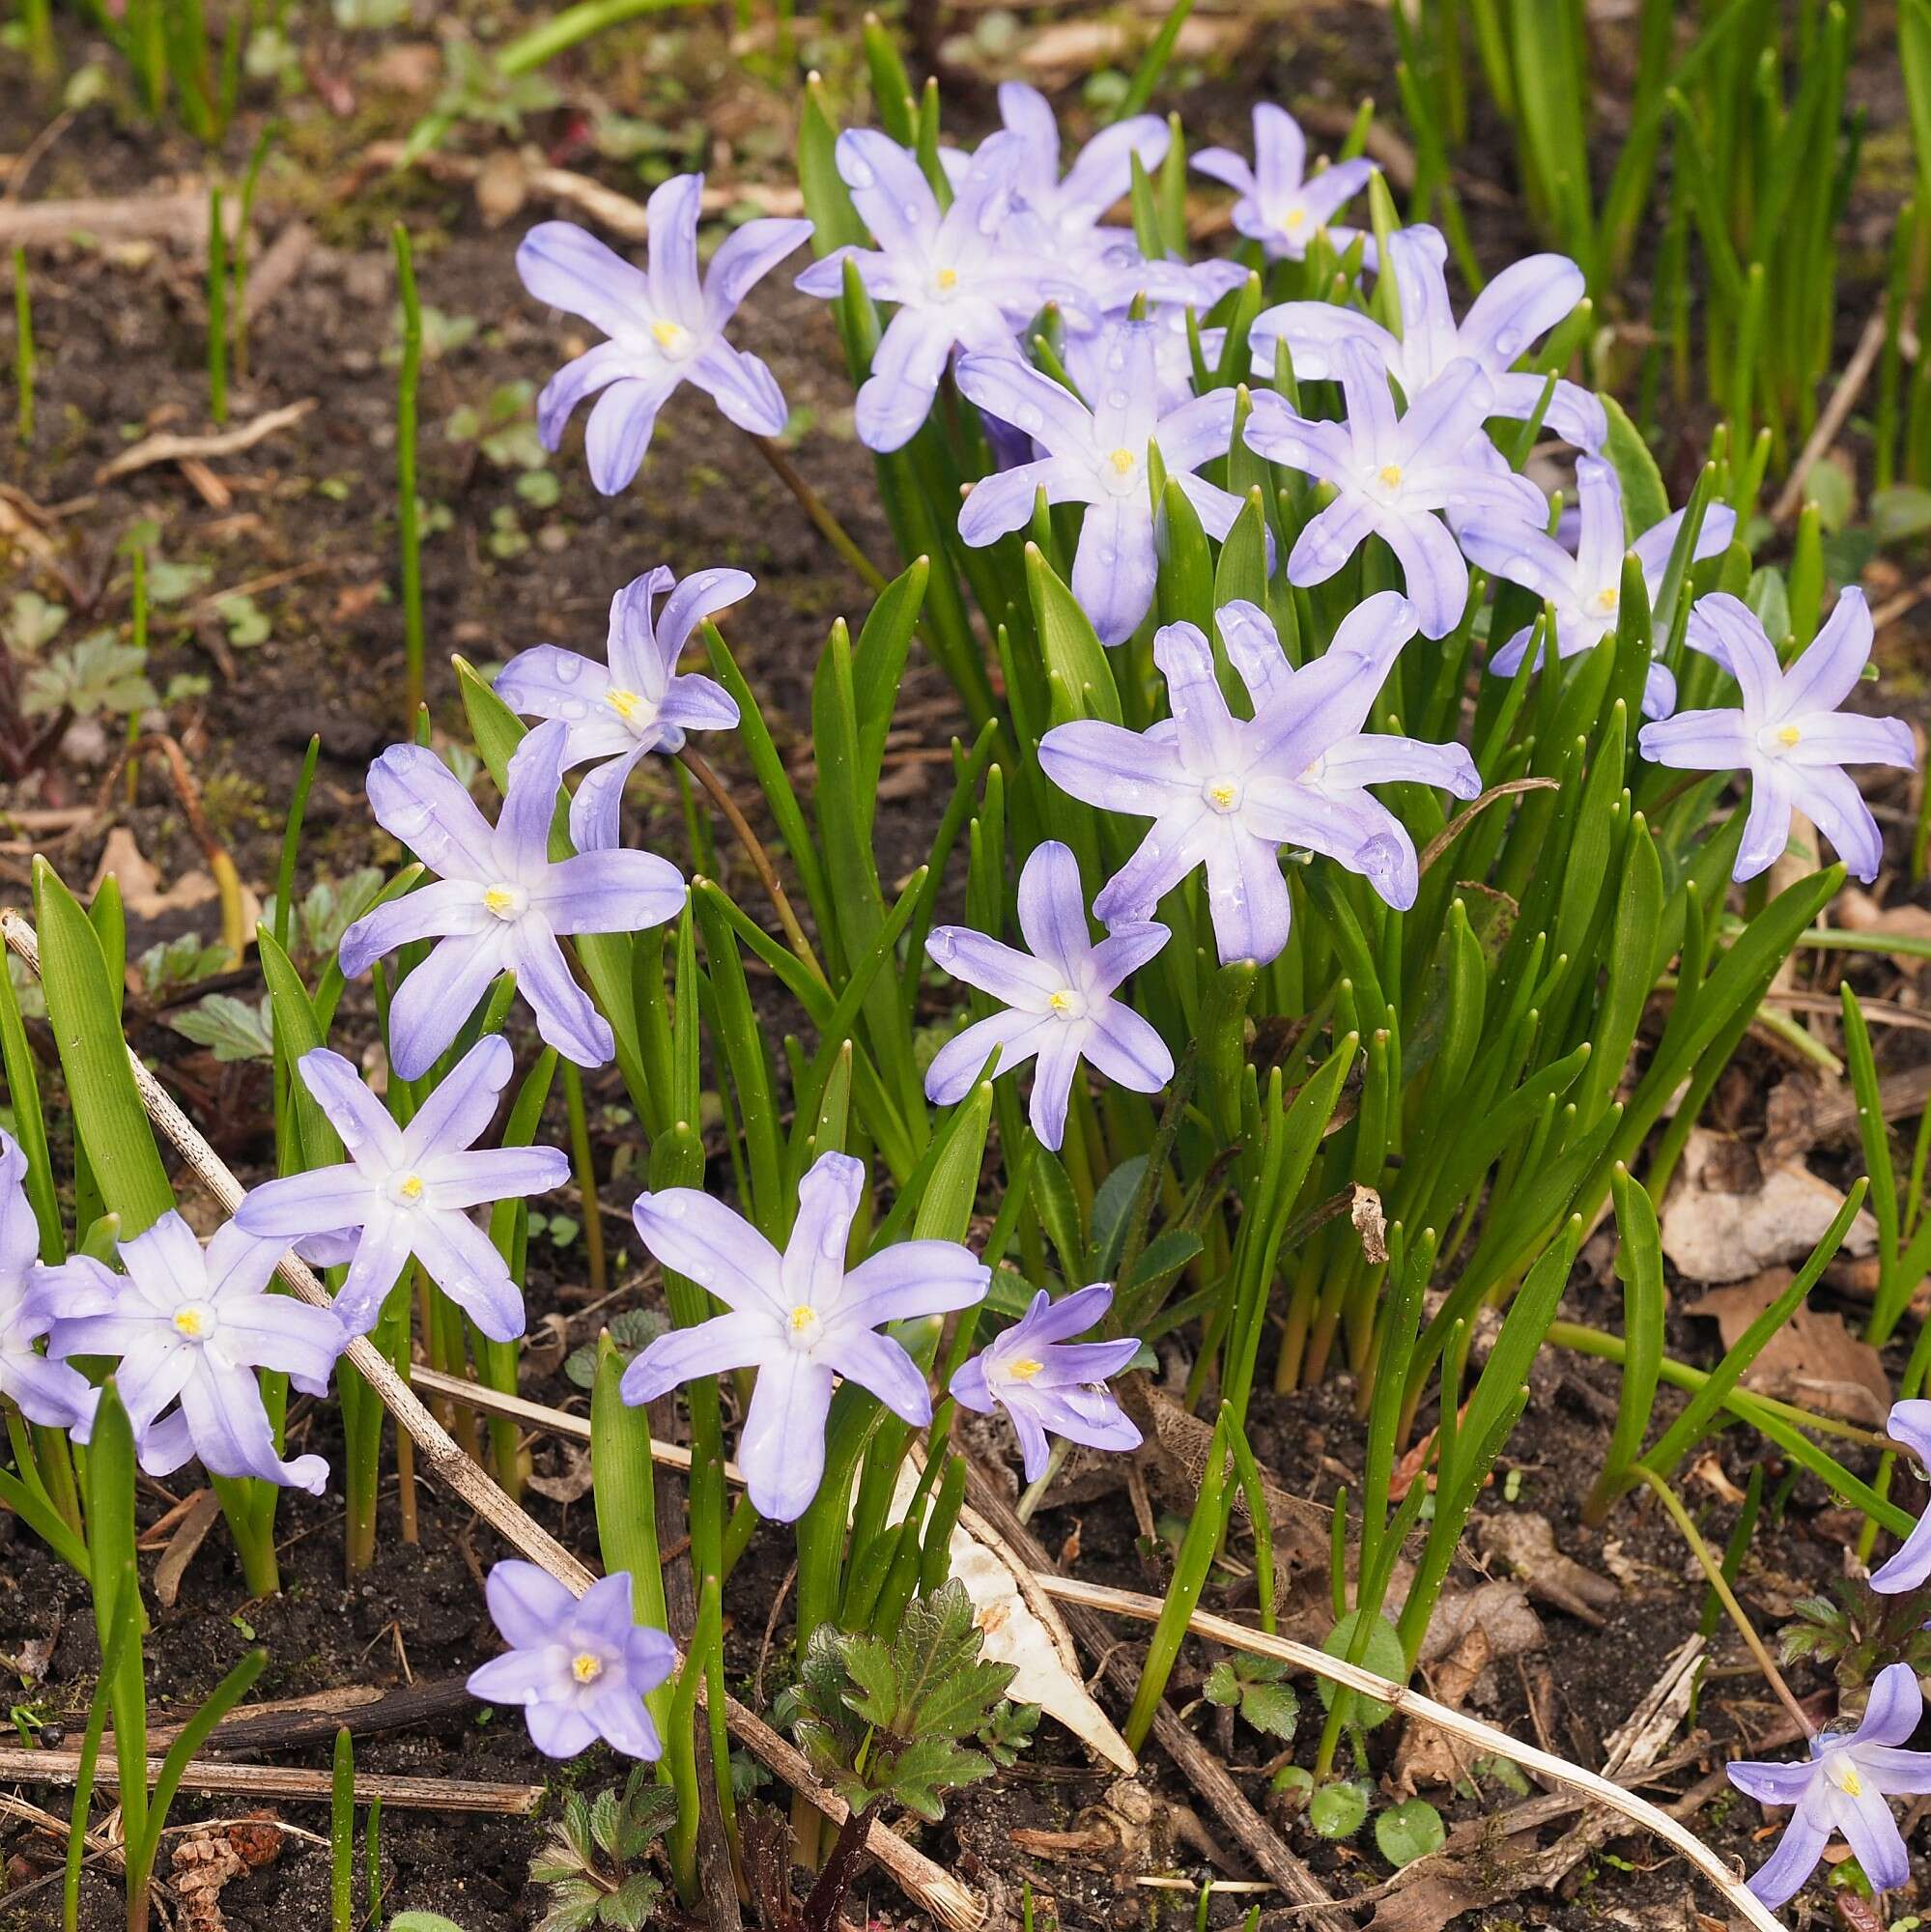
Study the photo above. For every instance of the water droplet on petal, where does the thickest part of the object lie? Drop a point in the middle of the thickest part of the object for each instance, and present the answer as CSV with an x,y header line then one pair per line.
x,y
913,212
1117,399
569,669
858,174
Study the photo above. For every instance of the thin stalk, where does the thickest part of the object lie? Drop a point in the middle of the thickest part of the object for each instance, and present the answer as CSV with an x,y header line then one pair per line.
x,y
1721,1583
761,859
217,309
408,535
250,180
815,508
587,1176
23,347
139,640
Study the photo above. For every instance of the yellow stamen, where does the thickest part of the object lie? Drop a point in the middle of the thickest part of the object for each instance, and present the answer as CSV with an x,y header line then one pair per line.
x,y
500,900
1607,597
1852,1785
668,336
625,703
411,1187
1789,735
1122,461
802,1317
947,278
188,1321
1024,1370
1297,215
1063,1002
585,1668
1391,475
1223,794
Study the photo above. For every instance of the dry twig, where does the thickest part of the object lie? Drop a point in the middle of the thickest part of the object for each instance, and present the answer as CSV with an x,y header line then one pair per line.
x,y
168,447
1486,1737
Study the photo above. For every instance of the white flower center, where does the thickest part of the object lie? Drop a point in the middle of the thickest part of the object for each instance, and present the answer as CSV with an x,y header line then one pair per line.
x,y
804,1327
1843,1773
1222,795
506,901
626,703
674,340
1066,1004
1296,217
1119,472
1776,739
1387,482
196,1320
1022,1368
586,1667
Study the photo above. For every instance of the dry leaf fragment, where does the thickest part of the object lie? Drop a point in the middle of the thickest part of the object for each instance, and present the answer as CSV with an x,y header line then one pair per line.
x,y
1526,1542
1812,1360
1468,1631
573,1485
1364,1209
1710,1233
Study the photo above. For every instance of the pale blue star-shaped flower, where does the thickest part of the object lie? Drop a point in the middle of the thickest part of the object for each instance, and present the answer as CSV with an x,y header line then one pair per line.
x,y
638,701
959,281
799,1318
1909,1568
1788,733
1058,998
499,904
1586,587
1840,1791
1062,215
44,1391
1520,305
1049,1384
1098,456
1393,474
666,327
1231,793
192,1326
580,1666
408,1190
1281,205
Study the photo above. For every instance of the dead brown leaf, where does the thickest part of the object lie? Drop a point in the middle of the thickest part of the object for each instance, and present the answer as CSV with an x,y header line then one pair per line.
x,y
573,1485
1718,1226
1812,1360
1469,1631
1364,1209
1526,1542
123,862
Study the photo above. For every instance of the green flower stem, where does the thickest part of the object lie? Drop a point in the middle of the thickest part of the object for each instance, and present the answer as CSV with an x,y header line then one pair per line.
x,y
1721,1583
